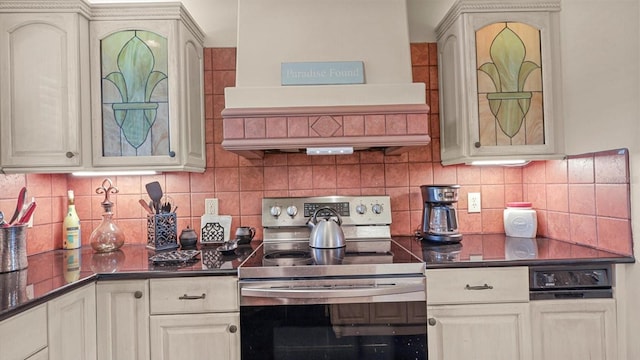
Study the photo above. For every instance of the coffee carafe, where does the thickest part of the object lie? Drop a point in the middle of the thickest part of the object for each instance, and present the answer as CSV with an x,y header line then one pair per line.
x,y
439,220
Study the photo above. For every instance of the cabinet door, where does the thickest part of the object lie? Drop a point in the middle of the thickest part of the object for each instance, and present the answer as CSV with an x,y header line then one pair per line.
x,y
14,345
499,84
574,329
72,325
40,355
42,102
479,332
147,109
123,319
195,336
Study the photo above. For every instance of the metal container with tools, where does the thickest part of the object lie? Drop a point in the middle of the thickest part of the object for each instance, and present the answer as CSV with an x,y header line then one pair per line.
x,y
13,248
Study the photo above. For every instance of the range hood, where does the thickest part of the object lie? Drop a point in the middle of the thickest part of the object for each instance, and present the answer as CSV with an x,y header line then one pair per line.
x,y
382,109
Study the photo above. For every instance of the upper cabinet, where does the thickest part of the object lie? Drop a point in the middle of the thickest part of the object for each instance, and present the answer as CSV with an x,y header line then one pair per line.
x,y
122,87
499,74
44,86
147,87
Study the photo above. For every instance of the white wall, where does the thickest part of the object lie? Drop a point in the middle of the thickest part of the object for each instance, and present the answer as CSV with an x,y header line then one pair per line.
x,y
218,18
601,88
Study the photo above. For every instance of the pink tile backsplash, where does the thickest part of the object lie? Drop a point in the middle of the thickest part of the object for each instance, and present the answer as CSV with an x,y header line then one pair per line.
x,y
582,199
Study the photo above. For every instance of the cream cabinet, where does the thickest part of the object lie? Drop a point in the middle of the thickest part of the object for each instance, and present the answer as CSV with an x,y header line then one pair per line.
x,y
44,86
123,319
147,87
83,110
478,314
24,336
499,80
72,325
574,329
195,318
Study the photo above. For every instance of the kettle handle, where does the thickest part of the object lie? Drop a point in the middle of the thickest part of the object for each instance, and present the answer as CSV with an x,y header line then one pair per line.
x,y
315,214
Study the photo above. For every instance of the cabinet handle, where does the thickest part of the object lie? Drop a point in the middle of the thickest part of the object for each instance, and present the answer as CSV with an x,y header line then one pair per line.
x,y
69,154
477,144
192,297
137,294
478,287
431,322
172,153
233,329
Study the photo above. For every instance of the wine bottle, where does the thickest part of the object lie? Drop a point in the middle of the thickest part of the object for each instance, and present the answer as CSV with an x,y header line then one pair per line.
x,y
71,225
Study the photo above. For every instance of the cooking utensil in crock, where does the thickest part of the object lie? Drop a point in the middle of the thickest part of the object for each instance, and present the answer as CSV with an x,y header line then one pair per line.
x,y
326,233
25,215
155,193
22,196
145,206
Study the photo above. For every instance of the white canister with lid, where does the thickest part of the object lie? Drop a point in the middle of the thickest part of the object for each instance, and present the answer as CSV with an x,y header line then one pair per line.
x,y
520,220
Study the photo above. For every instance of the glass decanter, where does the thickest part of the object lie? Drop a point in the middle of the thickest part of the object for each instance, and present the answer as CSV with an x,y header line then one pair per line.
x,y
107,236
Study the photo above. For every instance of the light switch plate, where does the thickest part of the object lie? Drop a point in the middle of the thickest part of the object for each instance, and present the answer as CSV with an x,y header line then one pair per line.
x,y
473,205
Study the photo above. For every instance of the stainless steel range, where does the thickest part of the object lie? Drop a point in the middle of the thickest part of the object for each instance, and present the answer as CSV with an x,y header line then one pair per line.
x,y
366,300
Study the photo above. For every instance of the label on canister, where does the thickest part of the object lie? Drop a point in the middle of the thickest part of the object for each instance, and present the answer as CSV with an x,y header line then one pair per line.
x,y
520,220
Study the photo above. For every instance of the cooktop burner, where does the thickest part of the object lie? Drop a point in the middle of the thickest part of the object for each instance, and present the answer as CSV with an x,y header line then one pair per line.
x,y
364,221
287,258
309,262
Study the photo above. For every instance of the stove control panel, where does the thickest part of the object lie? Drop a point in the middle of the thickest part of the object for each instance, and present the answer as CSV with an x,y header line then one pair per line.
x,y
353,210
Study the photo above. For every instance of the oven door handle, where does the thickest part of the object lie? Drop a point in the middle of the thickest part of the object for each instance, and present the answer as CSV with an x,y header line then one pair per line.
x,y
331,292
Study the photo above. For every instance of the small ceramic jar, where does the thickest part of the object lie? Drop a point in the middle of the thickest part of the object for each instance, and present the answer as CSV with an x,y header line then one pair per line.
x,y
188,239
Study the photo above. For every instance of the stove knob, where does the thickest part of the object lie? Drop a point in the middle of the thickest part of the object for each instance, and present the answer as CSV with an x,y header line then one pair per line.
x,y
292,211
361,209
377,209
275,211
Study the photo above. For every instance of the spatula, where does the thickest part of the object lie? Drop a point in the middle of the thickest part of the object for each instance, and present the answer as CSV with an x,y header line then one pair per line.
x,y
155,193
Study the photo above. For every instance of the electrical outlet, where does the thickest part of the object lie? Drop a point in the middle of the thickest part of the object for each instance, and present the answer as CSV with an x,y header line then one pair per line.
x,y
211,206
474,203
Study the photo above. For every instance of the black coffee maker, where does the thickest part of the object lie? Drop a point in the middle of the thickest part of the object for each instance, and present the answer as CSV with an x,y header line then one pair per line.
x,y
439,220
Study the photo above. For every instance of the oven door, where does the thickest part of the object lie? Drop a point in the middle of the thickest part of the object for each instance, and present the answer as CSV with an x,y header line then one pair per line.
x,y
381,318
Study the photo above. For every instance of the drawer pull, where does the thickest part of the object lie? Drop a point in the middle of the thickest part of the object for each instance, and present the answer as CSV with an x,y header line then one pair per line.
x,y
137,294
478,287
192,297
233,329
431,322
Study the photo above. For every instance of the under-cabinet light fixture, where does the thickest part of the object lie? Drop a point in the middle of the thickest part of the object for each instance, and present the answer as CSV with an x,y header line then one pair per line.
x,y
330,151
115,173
500,162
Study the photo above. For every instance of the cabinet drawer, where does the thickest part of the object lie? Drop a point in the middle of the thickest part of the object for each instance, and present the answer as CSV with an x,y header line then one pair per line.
x,y
194,295
24,334
469,286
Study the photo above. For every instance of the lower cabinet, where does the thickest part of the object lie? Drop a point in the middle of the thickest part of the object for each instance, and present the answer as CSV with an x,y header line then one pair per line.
x,y
480,314
40,355
123,319
195,318
195,336
72,325
574,329
482,331
24,336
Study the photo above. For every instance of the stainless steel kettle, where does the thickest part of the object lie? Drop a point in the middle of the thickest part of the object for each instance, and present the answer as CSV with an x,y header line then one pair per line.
x,y
326,233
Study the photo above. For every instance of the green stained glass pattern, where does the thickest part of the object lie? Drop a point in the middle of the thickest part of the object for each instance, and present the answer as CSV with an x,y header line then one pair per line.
x,y
135,108
509,84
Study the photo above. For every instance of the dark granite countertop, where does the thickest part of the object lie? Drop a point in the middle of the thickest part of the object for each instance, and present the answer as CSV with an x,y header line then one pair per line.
x,y
53,273
56,272
499,250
